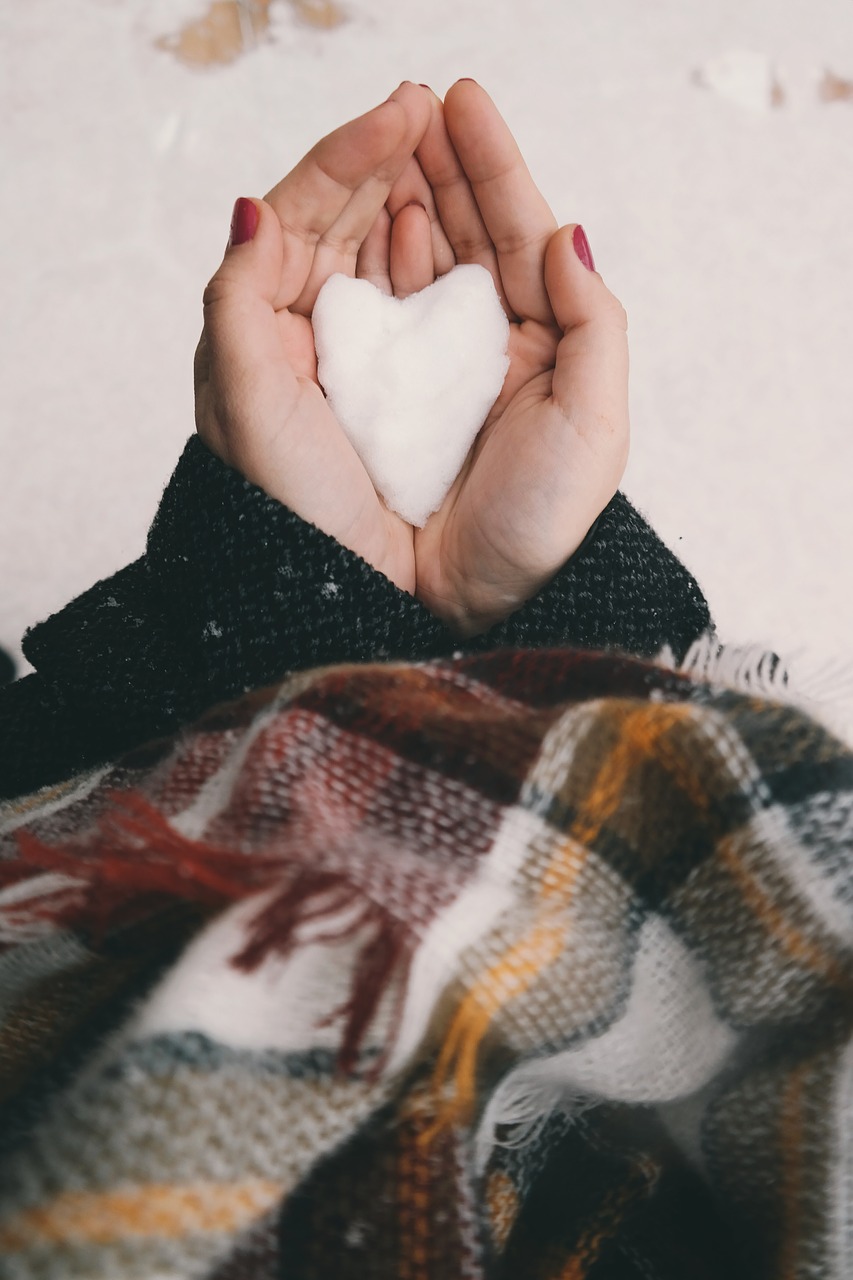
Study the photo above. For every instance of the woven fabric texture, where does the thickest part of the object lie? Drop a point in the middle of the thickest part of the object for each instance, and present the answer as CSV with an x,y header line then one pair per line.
x,y
235,591
535,963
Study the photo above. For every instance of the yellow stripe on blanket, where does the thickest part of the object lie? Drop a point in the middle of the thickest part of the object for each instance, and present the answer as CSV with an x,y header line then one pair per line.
x,y
510,977
642,734
103,1217
793,941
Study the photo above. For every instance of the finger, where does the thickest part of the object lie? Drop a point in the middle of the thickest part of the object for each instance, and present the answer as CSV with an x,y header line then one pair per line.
x,y
309,200
374,256
268,421
454,198
248,382
515,213
412,265
336,248
412,186
590,381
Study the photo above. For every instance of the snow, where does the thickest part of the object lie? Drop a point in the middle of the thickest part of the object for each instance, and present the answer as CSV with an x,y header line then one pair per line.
x,y
411,380
746,78
724,229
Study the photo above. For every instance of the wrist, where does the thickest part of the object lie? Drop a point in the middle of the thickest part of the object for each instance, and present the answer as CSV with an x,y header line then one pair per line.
x,y
475,608
471,605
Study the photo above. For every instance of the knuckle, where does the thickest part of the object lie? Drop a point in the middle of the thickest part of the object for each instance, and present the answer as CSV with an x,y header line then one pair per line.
x,y
614,313
216,290
471,248
620,315
341,243
519,240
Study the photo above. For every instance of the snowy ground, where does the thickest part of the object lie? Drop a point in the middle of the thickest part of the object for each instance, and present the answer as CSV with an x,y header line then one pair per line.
x,y
705,147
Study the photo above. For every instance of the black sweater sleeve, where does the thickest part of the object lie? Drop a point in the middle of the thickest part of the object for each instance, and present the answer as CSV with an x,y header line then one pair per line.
x,y
234,591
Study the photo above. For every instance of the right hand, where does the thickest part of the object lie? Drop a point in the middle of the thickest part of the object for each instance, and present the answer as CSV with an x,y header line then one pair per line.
x,y
259,405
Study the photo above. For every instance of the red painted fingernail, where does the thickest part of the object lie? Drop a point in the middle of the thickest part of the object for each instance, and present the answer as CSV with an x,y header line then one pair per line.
x,y
582,248
244,221
425,86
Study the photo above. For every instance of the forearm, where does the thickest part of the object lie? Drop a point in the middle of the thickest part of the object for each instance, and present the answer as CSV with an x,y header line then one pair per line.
x,y
235,591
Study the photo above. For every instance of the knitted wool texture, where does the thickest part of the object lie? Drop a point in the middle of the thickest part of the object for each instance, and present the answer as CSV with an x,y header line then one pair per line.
x,y
234,591
531,964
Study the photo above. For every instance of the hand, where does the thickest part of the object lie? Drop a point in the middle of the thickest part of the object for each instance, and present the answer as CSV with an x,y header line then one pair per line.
x,y
259,405
554,446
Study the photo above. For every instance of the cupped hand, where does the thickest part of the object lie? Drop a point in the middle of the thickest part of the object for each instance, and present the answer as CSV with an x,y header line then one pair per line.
x,y
398,197
554,446
259,405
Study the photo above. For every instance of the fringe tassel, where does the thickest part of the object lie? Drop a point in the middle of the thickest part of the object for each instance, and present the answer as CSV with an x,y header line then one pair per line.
x,y
311,898
455,1074
124,870
523,1103
746,668
822,687
136,861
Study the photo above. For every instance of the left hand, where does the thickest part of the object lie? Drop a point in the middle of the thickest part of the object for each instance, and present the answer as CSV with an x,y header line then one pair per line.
x,y
554,446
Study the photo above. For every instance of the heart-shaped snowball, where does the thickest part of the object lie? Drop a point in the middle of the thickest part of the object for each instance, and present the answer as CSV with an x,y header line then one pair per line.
x,y
411,380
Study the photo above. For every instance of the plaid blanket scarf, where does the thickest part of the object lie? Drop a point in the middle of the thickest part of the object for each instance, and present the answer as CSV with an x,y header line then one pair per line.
x,y
534,965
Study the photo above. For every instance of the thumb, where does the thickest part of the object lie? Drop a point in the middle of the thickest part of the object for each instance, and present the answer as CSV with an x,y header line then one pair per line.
x,y
590,383
243,381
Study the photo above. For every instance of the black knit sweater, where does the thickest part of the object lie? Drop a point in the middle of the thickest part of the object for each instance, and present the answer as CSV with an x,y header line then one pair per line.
x,y
234,591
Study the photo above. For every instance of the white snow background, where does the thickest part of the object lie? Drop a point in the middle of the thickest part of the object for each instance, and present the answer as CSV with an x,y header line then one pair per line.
x,y
723,221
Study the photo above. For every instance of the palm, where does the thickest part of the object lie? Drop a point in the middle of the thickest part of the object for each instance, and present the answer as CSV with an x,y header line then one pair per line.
x,y
345,493
487,530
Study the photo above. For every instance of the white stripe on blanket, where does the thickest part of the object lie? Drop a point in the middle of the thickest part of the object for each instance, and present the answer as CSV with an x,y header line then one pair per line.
x,y
492,890
667,1043
283,1004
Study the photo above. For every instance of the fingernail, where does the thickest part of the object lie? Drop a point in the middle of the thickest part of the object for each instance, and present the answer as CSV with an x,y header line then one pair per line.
x,y
244,221
582,248
425,86
467,80
418,204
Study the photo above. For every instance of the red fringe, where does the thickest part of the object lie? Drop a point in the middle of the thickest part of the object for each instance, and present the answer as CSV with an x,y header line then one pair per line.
x,y
134,862
317,895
